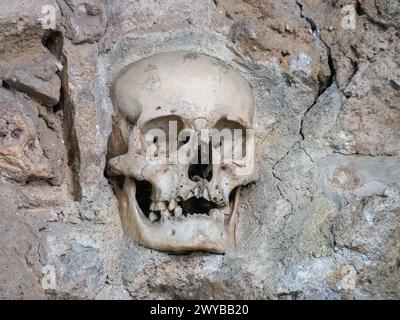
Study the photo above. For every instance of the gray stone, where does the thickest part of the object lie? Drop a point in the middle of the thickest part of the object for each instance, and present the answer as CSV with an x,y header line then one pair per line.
x,y
38,79
84,21
322,222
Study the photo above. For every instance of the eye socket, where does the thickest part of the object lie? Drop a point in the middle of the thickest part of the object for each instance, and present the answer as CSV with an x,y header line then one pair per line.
x,y
183,138
220,143
155,136
230,138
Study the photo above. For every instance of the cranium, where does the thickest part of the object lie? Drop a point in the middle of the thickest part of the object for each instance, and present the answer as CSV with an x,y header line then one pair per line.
x,y
180,206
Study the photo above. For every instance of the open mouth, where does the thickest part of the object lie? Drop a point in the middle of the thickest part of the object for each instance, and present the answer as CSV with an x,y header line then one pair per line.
x,y
178,225
176,208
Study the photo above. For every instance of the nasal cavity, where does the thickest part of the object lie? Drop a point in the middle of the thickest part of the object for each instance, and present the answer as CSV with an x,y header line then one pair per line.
x,y
201,166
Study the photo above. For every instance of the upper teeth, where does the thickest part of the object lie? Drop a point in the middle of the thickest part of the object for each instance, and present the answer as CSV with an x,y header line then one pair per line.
x,y
214,213
178,211
190,195
206,194
172,205
169,209
153,217
165,215
159,206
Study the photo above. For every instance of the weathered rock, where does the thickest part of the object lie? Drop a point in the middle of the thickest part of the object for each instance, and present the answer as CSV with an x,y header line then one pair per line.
x,y
362,126
21,155
271,31
145,16
84,21
32,141
366,61
385,12
26,65
88,123
320,120
20,267
36,77
23,24
321,223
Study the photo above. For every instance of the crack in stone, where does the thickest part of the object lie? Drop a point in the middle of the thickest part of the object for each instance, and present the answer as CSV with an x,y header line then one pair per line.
x,y
358,154
360,11
274,174
306,153
332,78
70,133
280,179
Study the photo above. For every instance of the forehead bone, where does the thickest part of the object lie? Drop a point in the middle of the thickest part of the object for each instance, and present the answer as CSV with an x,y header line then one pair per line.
x,y
190,84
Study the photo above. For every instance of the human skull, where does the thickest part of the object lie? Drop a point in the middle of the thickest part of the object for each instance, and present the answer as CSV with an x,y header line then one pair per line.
x,y
183,205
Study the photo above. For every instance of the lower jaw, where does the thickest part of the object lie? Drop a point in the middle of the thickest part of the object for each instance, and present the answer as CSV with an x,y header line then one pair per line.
x,y
194,233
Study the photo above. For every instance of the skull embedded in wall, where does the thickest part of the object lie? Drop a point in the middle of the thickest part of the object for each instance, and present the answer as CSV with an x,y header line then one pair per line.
x,y
190,203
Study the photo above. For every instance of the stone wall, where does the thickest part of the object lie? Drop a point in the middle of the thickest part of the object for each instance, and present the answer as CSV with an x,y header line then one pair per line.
x,y
322,222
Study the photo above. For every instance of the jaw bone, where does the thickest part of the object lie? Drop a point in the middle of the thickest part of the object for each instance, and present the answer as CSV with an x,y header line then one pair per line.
x,y
214,233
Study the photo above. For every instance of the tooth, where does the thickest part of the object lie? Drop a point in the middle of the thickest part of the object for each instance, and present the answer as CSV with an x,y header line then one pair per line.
x,y
165,215
214,213
196,192
160,206
206,194
172,204
153,217
178,212
190,195
227,211
183,195
153,206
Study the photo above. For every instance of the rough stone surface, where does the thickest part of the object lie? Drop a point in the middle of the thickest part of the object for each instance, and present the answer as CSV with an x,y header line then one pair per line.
x,y
84,21
31,141
322,222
